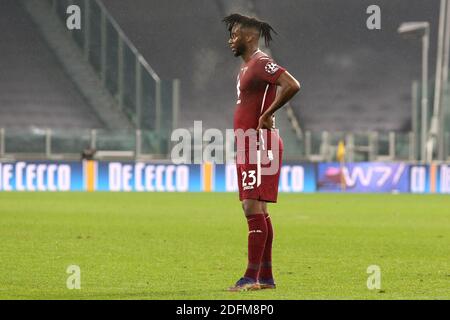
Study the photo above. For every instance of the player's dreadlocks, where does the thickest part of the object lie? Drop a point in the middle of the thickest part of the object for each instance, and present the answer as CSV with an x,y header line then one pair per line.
x,y
263,27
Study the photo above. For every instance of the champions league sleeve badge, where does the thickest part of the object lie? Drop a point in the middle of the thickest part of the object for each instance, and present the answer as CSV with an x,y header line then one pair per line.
x,y
271,67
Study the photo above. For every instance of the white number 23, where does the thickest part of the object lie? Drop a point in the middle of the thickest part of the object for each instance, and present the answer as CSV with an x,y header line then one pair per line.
x,y
250,175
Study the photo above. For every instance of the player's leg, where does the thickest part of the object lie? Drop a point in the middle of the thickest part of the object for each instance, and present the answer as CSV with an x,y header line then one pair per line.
x,y
265,277
269,191
257,235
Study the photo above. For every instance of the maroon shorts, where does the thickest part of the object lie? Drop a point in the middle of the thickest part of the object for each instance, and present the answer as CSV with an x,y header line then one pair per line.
x,y
258,175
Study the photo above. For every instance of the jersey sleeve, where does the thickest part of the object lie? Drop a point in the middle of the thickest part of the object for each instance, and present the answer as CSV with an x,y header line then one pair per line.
x,y
267,70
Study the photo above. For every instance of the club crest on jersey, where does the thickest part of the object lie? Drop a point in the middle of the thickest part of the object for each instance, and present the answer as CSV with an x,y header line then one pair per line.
x,y
271,67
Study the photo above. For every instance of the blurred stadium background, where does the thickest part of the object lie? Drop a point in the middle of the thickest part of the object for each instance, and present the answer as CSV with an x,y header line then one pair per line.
x,y
132,74
111,93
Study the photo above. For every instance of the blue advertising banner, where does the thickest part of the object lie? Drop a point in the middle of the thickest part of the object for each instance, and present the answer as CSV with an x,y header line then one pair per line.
x,y
363,177
430,179
41,176
443,179
166,177
150,177
296,177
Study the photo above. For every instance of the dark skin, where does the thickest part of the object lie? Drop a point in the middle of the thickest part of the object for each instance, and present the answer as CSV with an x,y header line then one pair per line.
x,y
244,43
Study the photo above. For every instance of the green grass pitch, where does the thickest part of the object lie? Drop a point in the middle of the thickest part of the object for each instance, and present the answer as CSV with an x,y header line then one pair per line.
x,y
193,246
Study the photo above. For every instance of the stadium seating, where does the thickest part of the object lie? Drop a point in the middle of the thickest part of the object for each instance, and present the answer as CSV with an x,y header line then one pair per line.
x,y
167,35
353,79
357,81
341,79
204,64
34,89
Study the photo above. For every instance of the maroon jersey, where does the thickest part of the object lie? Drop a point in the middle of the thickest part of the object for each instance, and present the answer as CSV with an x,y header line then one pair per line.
x,y
256,90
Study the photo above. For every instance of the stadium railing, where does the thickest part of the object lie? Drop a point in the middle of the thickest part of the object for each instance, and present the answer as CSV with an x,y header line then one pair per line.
x,y
315,146
151,103
38,143
122,69
68,144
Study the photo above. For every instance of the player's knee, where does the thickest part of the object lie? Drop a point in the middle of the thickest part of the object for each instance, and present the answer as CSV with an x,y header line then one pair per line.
x,y
264,208
248,208
251,207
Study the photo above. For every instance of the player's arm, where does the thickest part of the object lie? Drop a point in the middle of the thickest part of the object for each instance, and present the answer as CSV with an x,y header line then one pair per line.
x,y
289,86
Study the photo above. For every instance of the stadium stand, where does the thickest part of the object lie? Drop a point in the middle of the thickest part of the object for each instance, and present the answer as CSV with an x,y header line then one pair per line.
x,y
345,70
72,57
34,88
205,66
338,56
167,35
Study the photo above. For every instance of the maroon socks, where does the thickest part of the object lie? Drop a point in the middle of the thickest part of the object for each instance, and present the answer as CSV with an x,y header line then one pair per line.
x,y
257,237
265,272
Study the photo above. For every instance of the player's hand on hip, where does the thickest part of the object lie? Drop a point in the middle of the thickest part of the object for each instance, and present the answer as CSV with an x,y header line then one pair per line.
x,y
265,122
